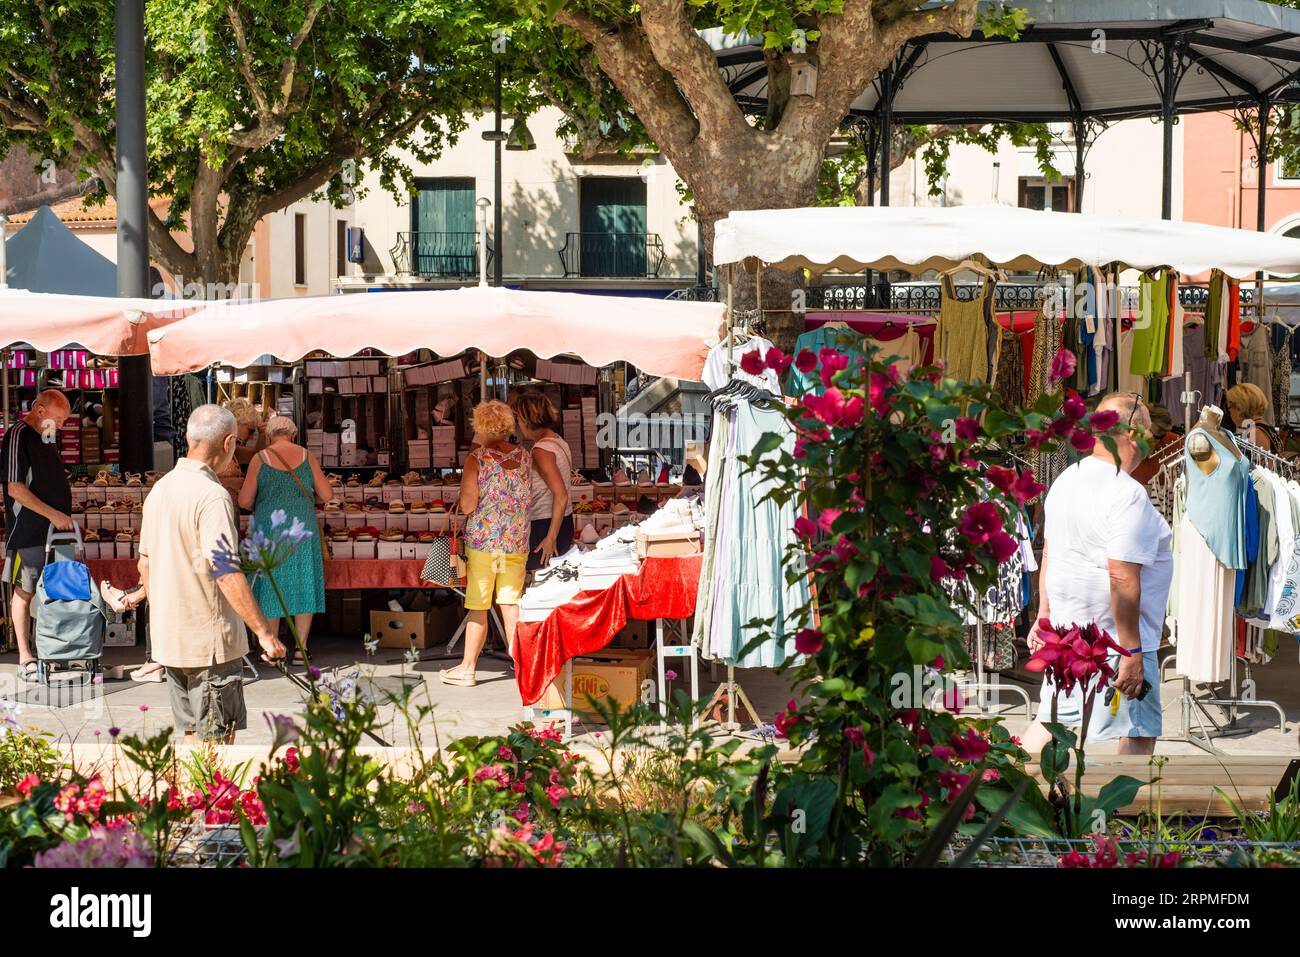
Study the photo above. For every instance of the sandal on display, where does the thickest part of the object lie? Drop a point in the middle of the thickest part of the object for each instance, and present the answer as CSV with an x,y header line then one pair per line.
x,y
134,480
354,481
455,676
101,479
620,477
377,480
151,476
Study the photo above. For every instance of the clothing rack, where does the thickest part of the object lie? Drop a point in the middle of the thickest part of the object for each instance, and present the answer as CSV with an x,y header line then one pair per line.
x,y
1190,705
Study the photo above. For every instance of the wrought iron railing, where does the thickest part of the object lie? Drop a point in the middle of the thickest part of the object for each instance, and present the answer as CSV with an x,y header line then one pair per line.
x,y
613,255
438,255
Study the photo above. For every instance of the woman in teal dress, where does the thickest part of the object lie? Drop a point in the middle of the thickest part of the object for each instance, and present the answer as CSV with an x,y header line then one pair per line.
x,y
286,477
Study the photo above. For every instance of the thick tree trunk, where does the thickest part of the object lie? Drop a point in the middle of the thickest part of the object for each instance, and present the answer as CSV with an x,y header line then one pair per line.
x,y
777,176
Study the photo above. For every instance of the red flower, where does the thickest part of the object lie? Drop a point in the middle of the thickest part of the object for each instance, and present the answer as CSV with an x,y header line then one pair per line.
x,y
1004,480
980,521
968,430
776,360
970,746
752,363
26,784
1026,488
1074,408
878,393
943,752
827,518
1003,546
787,719
804,527
1082,441
1063,364
1104,420
805,361
832,408
1074,655
809,641
939,569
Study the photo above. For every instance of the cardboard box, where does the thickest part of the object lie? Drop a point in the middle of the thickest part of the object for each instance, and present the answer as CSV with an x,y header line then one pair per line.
x,y
666,544
609,674
635,635
404,629
389,551
119,634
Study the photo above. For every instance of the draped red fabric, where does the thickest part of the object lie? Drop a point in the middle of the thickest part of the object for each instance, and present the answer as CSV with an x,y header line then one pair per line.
x,y
664,588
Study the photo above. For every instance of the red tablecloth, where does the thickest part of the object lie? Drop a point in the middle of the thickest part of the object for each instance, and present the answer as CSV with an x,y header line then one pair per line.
x,y
339,574
664,588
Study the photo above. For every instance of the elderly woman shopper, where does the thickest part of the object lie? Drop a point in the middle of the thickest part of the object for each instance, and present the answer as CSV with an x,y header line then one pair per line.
x,y
550,512
1248,408
285,477
494,495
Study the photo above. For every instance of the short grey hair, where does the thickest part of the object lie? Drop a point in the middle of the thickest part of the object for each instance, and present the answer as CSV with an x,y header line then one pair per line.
x,y
281,425
210,423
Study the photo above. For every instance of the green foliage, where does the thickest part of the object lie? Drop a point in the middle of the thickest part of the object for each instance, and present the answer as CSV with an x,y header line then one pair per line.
x,y
23,753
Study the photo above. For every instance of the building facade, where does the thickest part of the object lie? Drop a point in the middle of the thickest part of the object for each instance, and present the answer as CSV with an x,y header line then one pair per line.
x,y
605,224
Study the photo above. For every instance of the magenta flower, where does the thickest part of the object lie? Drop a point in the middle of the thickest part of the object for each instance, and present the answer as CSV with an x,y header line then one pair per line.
x,y
833,409
970,746
1082,441
1104,420
808,641
804,527
1063,364
980,521
805,361
939,569
968,430
1074,408
832,361
776,360
1026,488
1003,546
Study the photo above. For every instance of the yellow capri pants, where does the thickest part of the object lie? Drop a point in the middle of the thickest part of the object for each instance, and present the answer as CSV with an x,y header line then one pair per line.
x,y
487,574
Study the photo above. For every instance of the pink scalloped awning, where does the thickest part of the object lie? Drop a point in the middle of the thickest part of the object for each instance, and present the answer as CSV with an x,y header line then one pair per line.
x,y
658,336
104,325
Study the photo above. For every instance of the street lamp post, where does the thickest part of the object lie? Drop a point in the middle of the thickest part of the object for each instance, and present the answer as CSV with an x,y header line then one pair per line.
x,y
518,139
135,393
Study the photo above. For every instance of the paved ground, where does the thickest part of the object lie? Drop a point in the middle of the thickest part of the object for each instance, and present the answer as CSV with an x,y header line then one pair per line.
x,y
494,705
489,708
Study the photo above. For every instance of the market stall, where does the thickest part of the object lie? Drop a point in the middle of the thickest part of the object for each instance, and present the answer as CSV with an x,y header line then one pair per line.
x,y
1152,340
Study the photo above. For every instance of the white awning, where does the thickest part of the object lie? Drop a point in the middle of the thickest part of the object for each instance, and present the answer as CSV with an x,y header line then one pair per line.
x,y
916,239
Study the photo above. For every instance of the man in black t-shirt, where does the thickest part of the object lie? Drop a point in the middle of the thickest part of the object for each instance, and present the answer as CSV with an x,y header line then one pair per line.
x,y
36,495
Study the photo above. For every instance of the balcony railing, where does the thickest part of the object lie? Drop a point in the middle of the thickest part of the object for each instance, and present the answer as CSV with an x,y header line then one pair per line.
x,y
613,255
438,255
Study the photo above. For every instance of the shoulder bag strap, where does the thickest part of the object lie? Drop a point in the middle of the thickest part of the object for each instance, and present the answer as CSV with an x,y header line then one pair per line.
x,y
311,500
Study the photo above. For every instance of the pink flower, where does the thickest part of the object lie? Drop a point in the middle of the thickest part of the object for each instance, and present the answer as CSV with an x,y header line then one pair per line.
x,y
808,641
827,518
878,394
520,813
805,361
968,430
854,735
939,569
26,784
1063,364
804,527
752,363
505,754
833,409
785,721
555,794
833,361
943,752
1004,480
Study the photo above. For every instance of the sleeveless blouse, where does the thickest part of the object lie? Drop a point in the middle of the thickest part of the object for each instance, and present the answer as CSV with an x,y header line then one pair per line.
x,y
500,523
1216,503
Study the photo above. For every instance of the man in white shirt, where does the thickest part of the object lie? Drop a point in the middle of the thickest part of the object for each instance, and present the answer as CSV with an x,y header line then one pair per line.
x,y
1108,559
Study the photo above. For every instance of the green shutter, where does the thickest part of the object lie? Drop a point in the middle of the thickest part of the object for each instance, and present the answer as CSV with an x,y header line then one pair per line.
x,y
613,224
443,221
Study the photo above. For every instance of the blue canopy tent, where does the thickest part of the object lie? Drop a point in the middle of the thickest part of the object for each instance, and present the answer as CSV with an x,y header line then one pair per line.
x,y
44,256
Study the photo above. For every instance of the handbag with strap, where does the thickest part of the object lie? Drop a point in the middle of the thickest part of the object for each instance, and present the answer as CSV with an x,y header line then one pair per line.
x,y
444,564
311,501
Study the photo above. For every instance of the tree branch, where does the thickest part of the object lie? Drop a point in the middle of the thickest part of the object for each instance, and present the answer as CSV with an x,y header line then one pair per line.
x,y
680,50
647,86
290,64
246,70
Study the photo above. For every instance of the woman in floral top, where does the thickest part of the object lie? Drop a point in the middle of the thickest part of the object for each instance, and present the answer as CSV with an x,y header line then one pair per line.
x,y
494,494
